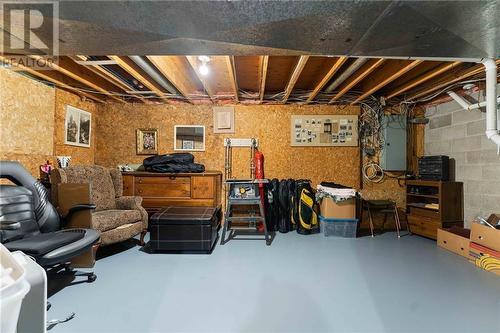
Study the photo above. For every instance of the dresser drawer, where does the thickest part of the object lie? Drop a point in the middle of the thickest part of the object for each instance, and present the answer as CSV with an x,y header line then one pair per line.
x,y
424,226
168,187
163,180
424,212
160,190
424,231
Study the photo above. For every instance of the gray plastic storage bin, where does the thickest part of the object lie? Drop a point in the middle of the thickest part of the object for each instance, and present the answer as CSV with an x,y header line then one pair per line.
x,y
339,227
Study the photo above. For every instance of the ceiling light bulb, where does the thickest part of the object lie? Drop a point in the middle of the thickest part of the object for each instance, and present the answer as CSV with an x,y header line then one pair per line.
x,y
203,69
204,59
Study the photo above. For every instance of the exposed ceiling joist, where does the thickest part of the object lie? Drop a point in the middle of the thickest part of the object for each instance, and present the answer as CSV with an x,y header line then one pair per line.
x,y
359,75
263,63
335,67
383,78
76,72
174,69
193,61
128,66
421,79
295,76
448,80
232,75
55,78
106,75
351,80
95,62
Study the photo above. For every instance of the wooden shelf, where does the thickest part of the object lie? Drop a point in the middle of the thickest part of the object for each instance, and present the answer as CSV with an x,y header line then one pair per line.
x,y
423,207
425,221
434,196
431,183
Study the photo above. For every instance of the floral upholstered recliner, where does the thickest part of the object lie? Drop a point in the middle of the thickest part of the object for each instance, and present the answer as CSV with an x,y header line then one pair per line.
x,y
117,217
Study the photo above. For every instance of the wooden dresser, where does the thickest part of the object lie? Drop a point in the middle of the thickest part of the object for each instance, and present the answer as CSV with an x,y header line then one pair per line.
x,y
174,189
432,205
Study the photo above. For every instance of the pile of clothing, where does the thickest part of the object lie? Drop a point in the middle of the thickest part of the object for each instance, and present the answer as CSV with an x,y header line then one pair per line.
x,y
335,191
176,162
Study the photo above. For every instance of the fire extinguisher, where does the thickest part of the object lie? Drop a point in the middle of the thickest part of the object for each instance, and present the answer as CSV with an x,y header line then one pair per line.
x,y
259,174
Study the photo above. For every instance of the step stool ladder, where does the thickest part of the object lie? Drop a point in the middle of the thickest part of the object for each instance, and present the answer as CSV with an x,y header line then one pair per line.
x,y
244,193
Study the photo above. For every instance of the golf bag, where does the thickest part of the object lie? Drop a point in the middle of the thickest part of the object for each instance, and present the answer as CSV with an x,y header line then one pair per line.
x,y
284,221
305,208
273,205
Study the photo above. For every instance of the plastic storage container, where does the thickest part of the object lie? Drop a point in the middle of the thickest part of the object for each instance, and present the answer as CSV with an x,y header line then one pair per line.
x,y
339,227
13,288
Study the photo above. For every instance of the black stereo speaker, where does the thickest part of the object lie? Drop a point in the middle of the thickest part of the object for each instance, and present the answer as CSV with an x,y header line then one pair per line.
x,y
434,168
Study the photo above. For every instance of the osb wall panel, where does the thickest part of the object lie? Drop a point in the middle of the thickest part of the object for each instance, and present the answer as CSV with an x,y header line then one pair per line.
x,y
26,120
26,114
31,162
116,142
79,155
32,118
389,189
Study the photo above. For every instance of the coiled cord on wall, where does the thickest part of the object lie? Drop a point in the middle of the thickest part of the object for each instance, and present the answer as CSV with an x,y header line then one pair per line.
x,y
373,172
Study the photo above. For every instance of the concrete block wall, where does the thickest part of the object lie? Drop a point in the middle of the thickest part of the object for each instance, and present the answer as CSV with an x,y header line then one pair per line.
x,y
459,134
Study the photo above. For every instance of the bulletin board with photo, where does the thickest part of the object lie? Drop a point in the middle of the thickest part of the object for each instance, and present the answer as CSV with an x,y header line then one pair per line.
x,y
324,130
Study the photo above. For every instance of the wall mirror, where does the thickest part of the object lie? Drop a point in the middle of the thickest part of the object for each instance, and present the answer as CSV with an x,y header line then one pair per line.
x,y
189,137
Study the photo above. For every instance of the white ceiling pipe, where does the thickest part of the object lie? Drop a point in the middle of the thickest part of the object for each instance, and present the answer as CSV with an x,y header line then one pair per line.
x,y
154,74
460,100
480,105
466,105
491,101
348,72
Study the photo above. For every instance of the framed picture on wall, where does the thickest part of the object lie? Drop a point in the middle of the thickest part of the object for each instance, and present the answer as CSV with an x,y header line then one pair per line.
x,y
147,141
77,127
189,137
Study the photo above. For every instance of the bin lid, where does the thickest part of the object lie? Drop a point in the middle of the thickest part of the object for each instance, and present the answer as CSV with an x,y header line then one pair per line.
x,y
184,215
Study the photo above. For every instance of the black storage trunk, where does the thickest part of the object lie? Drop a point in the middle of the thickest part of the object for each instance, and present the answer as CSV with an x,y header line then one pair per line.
x,y
184,229
434,168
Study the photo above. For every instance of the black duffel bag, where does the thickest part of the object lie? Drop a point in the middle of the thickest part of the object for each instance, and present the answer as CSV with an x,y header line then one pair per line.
x,y
174,158
176,168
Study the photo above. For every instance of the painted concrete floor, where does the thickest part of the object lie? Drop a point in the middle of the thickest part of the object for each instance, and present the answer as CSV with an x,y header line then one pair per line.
x,y
298,284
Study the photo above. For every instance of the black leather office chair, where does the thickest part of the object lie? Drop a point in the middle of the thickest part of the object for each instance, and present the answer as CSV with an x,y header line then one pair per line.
x,y
29,223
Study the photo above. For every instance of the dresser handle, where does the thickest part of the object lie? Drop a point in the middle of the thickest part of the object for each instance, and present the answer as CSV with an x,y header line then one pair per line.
x,y
172,177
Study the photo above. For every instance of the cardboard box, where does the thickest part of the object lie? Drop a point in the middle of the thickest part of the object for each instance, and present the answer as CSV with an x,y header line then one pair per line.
x,y
485,258
454,239
485,236
338,210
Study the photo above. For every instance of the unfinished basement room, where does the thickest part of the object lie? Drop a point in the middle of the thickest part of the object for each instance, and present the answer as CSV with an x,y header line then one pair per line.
x,y
249,166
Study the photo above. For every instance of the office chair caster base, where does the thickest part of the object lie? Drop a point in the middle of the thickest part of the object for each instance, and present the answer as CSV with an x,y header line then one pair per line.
x,y
91,278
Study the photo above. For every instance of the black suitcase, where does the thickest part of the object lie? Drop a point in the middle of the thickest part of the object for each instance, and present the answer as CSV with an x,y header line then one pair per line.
x,y
184,229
